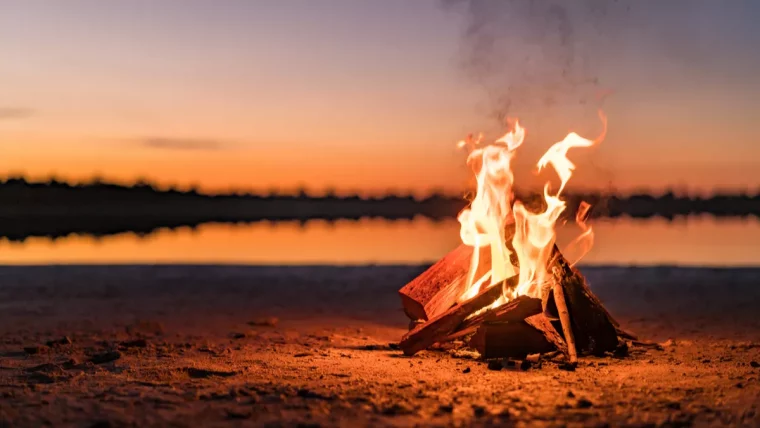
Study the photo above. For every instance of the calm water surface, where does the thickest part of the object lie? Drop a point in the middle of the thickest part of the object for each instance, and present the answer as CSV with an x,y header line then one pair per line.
x,y
695,241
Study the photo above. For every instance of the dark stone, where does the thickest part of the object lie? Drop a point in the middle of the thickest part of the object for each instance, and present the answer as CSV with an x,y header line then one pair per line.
x,y
105,357
567,366
478,411
303,354
754,364
373,348
446,408
204,374
238,414
525,365
495,365
33,350
584,403
674,405
467,370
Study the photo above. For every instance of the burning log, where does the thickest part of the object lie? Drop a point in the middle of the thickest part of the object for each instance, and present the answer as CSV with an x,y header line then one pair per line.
x,y
517,338
515,310
446,323
438,288
592,328
524,324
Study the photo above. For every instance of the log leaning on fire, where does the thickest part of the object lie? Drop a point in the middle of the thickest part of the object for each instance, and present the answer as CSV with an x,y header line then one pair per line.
x,y
435,290
594,330
440,327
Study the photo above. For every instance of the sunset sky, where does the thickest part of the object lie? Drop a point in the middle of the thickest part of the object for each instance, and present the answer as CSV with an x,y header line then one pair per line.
x,y
373,95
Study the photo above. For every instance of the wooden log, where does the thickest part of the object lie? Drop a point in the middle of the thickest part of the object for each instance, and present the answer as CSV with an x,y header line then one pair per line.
x,y
564,318
440,286
515,310
594,330
516,339
443,325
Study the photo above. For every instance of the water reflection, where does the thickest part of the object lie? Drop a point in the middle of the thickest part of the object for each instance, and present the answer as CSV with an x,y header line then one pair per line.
x,y
692,241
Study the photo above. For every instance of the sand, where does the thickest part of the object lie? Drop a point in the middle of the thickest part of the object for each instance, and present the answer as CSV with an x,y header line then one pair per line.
x,y
313,346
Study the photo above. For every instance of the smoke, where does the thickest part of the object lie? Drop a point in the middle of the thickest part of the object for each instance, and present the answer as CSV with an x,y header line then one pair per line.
x,y
530,54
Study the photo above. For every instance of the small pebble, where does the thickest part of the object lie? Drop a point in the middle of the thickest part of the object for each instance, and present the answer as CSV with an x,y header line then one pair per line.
x,y
446,408
754,364
467,370
32,350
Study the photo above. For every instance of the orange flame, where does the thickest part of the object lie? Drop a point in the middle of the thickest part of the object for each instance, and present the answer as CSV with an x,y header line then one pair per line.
x,y
485,221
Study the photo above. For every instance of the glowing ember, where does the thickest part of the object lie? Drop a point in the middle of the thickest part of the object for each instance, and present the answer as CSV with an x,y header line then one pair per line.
x,y
486,221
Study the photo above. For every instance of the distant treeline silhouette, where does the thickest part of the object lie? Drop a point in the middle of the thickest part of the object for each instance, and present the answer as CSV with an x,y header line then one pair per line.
x,y
56,208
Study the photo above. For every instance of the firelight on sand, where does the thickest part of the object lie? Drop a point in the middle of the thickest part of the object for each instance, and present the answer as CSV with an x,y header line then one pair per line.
x,y
493,214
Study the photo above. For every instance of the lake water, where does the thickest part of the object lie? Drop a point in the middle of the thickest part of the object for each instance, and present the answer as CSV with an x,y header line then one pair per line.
x,y
697,241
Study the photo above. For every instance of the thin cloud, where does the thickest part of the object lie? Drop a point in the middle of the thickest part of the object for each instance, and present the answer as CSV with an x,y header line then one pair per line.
x,y
15,113
181,144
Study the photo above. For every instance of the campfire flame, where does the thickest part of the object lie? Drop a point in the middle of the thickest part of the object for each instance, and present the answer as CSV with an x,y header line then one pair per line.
x,y
494,212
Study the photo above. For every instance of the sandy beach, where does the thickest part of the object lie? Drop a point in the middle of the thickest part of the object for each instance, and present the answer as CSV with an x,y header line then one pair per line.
x,y
113,346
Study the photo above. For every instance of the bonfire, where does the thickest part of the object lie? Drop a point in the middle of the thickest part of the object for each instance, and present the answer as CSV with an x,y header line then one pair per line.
x,y
507,291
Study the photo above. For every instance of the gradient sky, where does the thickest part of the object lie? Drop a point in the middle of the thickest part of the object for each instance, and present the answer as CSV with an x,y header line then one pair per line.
x,y
373,95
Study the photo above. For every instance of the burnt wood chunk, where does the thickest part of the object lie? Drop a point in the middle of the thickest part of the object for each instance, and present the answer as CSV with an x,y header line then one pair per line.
x,y
516,339
438,288
443,325
594,330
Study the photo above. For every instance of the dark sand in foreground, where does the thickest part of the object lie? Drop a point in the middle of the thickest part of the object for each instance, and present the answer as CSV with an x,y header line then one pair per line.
x,y
209,356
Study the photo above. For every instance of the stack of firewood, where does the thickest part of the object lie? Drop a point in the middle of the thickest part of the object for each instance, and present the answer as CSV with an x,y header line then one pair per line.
x,y
568,317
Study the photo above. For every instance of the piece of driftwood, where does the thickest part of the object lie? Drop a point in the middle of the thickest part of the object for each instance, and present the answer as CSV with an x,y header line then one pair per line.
x,y
517,338
440,286
442,326
593,329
